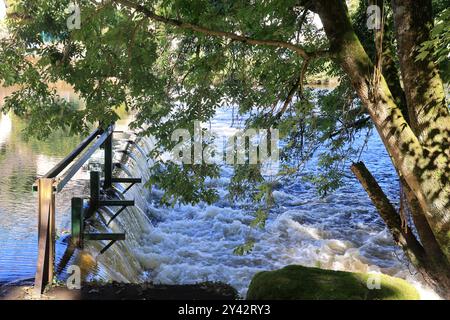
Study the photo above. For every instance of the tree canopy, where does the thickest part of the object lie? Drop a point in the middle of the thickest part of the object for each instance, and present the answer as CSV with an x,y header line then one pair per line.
x,y
121,56
175,62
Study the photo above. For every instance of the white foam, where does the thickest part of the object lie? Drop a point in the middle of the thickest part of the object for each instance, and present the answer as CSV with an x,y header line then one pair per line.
x,y
194,243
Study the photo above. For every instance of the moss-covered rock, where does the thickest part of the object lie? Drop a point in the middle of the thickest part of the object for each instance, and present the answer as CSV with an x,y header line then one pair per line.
x,y
302,283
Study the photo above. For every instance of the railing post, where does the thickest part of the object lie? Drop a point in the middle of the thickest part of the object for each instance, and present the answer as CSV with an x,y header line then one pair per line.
x,y
95,191
108,147
77,222
46,235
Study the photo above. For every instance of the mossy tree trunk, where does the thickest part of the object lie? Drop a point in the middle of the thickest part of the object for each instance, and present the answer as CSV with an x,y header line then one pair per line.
x,y
420,152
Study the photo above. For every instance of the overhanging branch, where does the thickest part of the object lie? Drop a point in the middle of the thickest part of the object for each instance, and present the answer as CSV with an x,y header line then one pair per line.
x,y
297,86
354,125
403,237
223,34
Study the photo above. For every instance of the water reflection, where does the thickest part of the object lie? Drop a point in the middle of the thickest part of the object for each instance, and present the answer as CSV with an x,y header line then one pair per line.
x,y
5,129
21,162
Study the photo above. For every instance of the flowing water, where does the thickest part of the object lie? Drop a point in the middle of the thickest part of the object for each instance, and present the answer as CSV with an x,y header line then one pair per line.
x,y
342,231
188,244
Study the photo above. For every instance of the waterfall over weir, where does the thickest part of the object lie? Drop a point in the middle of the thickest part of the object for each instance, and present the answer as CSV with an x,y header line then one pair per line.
x,y
119,262
194,243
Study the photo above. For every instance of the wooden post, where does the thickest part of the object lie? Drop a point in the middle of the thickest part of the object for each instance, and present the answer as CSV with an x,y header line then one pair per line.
x,y
108,162
46,235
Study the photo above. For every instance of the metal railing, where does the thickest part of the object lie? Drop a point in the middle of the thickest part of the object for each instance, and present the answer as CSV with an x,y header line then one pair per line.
x,y
52,183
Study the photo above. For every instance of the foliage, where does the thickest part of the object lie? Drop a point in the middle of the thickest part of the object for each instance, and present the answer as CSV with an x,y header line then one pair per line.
x,y
439,45
245,248
183,184
170,77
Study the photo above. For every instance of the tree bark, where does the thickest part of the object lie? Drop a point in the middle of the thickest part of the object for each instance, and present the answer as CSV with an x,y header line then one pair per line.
x,y
424,173
424,90
435,263
404,237
426,256
427,109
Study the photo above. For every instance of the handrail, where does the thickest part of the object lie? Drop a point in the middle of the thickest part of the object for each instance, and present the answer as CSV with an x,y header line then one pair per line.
x,y
50,184
64,163
77,165
57,169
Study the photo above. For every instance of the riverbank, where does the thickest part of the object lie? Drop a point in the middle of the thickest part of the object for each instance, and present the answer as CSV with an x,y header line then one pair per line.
x,y
123,291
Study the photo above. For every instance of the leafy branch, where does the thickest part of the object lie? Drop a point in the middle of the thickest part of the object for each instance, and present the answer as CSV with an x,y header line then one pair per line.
x,y
223,34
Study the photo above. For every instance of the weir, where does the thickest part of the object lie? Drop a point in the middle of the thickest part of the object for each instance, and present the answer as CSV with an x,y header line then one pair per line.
x,y
189,244
102,195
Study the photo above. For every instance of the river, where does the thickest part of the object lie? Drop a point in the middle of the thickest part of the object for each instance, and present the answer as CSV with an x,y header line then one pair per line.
x,y
188,244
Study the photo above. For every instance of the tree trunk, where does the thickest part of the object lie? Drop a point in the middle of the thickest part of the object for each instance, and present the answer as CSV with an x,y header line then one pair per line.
x,y
404,237
423,166
423,86
435,260
427,109
426,256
